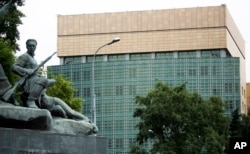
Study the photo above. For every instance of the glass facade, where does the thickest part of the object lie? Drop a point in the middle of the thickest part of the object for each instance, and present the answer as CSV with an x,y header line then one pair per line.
x,y
119,78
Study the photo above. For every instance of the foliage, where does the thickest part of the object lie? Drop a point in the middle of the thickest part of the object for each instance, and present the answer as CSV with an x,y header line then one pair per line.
x,y
136,149
63,90
7,59
9,35
245,125
235,124
181,122
240,124
10,22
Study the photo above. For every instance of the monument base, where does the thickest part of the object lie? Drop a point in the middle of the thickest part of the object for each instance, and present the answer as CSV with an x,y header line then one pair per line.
x,y
24,141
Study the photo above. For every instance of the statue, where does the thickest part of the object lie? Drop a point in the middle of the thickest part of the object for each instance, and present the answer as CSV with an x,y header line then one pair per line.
x,y
5,86
34,97
61,129
33,94
33,86
59,108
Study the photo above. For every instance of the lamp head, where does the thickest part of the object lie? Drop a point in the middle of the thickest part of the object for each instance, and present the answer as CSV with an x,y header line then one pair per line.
x,y
117,39
151,131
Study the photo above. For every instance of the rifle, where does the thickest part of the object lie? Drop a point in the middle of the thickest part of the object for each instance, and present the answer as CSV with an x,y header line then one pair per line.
x,y
21,81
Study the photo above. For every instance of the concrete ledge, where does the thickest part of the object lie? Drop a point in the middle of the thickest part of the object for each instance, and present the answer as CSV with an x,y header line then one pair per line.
x,y
23,141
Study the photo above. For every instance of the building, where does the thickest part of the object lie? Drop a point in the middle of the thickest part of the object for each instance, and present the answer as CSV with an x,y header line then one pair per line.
x,y
248,94
200,45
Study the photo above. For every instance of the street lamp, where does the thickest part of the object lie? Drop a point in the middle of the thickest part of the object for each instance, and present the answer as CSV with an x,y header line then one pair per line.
x,y
117,39
159,137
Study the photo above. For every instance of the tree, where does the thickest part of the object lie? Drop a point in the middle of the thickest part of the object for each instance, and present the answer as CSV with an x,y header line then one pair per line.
x,y
63,90
240,124
7,59
136,149
9,35
245,125
10,21
235,124
181,122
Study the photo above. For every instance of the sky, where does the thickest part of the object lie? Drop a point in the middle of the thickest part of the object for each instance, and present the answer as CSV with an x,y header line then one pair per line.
x,y
40,22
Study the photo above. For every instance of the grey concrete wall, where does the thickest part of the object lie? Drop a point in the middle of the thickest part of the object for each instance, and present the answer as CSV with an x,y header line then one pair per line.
x,y
21,141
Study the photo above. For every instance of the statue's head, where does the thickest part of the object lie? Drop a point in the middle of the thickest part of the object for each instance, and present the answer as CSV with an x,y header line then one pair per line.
x,y
31,46
29,41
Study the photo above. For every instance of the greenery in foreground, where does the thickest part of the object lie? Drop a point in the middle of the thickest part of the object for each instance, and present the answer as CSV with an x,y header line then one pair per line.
x,y
177,121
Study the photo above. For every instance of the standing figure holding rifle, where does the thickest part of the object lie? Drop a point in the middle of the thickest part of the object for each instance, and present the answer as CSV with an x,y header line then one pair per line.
x,y
31,84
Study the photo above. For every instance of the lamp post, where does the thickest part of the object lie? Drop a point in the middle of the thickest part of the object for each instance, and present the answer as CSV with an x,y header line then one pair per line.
x,y
117,39
159,137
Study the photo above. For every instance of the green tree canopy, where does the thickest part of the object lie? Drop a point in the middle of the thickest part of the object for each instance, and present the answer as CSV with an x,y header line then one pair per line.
x,y
181,122
63,90
10,21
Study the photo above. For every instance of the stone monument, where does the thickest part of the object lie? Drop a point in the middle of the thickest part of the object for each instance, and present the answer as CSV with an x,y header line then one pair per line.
x,y
45,124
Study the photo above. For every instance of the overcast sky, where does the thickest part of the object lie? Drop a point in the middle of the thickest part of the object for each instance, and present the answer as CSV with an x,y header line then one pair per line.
x,y
41,18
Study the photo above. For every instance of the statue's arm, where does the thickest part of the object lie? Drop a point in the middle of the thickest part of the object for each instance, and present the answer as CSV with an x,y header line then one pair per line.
x,y
5,8
19,66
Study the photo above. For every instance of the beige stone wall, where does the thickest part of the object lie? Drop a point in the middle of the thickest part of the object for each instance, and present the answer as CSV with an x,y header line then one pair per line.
x,y
135,21
235,33
146,41
248,94
146,31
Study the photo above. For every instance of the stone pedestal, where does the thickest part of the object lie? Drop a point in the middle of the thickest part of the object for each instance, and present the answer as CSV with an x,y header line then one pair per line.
x,y
24,141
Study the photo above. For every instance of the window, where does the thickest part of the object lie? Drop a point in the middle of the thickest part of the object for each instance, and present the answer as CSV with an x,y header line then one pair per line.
x,y
98,58
204,70
187,54
140,56
180,73
192,72
98,91
76,76
119,90
119,143
210,53
108,91
132,89
110,144
86,75
119,124
164,55
72,60
108,125
98,74
214,70
86,92
215,92
228,87
132,72
116,57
